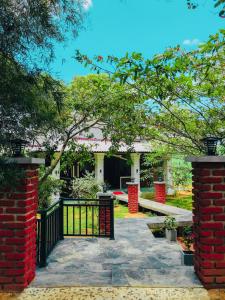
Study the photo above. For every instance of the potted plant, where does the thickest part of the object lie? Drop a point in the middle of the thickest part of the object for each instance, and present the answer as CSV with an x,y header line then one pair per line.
x,y
187,253
170,226
158,232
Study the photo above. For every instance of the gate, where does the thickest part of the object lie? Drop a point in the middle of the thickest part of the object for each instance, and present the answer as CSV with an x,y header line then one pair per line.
x,y
73,217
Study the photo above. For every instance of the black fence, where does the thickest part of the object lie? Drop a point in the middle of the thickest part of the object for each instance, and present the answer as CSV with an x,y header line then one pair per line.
x,y
88,217
73,217
49,231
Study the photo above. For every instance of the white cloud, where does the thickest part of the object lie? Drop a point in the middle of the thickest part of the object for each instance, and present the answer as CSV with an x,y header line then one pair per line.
x,y
87,4
192,42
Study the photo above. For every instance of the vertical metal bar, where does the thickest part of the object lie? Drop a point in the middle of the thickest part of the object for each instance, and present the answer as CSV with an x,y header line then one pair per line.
x,y
48,233
112,237
55,227
73,219
99,217
67,221
86,219
43,254
38,242
93,220
61,220
80,219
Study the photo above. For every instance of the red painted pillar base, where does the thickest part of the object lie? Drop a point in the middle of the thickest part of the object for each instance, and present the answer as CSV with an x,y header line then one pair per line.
x,y
132,197
209,219
160,191
104,213
18,208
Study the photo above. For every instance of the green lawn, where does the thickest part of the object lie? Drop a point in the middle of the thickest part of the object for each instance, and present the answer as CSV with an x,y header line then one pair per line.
x,y
182,201
76,218
120,211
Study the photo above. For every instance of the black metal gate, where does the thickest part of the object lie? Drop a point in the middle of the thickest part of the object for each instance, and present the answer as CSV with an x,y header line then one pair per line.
x,y
73,217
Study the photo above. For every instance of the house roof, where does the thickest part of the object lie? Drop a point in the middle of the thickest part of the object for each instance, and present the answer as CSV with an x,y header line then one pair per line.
x,y
102,146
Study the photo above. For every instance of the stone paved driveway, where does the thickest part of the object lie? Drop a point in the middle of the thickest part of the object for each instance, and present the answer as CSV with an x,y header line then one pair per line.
x,y
134,258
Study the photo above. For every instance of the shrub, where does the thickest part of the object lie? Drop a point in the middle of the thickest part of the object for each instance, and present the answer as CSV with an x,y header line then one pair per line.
x,y
148,195
47,189
85,187
170,223
188,237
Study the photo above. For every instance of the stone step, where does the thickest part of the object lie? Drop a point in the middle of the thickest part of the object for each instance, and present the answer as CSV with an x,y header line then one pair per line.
x,y
177,276
121,275
73,277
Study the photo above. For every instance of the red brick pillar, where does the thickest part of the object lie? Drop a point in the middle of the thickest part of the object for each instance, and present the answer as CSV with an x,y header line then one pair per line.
x,y
104,212
209,219
132,197
18,207
160,191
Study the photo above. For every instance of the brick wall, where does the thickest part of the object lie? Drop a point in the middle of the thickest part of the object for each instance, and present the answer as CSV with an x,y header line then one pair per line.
x,y
104,213
133,197
160,192
18,232
209,222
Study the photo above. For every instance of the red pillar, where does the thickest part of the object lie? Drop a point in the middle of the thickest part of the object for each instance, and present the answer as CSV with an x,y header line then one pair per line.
x,y
132,197
104,212
209,219
160,191
18,206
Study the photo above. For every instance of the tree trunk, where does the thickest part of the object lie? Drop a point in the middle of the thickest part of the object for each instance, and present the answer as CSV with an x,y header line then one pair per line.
x,y
55,162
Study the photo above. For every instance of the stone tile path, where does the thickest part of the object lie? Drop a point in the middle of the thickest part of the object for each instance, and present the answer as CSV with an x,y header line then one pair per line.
x,y
157,207
135,258
182,216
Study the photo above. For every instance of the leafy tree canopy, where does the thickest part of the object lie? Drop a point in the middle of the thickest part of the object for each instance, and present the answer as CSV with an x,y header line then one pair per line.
x,y
217,4
28,27
96,100
184,91
28,32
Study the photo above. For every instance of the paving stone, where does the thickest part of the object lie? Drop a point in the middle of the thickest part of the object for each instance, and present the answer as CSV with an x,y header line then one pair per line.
x,y
134,258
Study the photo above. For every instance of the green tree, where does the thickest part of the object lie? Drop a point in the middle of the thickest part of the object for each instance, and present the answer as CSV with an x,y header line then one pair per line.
x,y
96,100
28,32
218,4
183,90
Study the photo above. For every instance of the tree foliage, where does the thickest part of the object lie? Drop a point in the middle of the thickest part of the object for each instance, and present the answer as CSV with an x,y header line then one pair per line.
x,y
85,187
184,92
96,100
217,4
28,32
29,29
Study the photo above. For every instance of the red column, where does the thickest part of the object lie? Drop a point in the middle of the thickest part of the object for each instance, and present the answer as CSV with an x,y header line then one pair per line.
x,y
209,219
104,212
18,206
160,191
132,197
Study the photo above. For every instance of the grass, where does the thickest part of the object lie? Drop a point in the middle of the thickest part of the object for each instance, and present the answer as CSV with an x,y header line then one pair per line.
x,y
120,211
180,200
75,218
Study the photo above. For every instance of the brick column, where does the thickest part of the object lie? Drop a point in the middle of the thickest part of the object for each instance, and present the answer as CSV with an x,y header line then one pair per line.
x,y
209,219
104,212
18,206
160,191
132,197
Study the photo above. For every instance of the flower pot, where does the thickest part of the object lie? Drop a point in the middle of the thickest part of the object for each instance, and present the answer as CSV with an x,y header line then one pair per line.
x,y
187,258
171,235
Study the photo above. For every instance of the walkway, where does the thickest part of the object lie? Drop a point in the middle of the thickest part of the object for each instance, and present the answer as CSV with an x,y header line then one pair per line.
x,y
135,258
182,216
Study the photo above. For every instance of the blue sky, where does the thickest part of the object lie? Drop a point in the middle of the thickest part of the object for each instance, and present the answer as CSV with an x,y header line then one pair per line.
x,y
114,27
